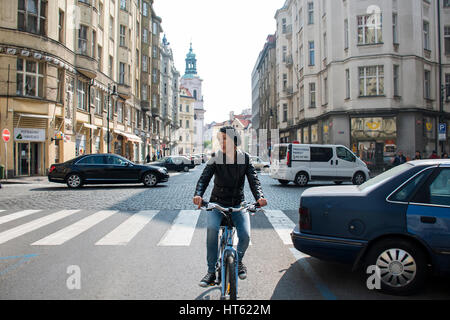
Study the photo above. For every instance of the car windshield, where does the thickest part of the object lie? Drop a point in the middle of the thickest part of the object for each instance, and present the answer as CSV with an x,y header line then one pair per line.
x,y
385,176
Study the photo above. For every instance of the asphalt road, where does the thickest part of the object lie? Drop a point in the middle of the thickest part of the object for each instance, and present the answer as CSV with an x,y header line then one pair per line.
x,y
130,242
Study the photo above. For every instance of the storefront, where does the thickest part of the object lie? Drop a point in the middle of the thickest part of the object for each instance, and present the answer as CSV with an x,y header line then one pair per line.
x,y
374,140
29,151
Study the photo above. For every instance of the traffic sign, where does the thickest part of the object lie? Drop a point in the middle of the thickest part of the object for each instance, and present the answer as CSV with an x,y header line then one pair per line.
x,y
442,132
6,135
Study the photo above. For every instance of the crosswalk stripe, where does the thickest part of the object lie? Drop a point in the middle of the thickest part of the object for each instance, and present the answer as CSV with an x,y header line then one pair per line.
x,y
125,232
74,230
282,224
182,229
33,225
16,215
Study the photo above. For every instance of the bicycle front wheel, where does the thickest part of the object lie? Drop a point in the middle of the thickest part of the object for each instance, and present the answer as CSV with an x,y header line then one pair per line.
x,y
230,283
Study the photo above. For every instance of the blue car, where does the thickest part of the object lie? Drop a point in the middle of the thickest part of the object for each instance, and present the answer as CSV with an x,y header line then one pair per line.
x,y
398,221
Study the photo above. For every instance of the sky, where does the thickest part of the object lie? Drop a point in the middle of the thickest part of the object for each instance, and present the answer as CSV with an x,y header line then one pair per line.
x,y
227,37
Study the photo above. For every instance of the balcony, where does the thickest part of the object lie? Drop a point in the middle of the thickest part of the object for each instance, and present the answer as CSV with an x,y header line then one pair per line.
x,y
156,112
145,105
124,91
288,91
86,65
289,61
287,31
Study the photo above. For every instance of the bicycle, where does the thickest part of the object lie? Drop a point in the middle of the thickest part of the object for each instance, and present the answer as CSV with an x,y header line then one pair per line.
x,y
227,266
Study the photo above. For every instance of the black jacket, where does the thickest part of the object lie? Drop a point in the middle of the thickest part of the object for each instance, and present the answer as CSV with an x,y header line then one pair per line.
x,y
229,180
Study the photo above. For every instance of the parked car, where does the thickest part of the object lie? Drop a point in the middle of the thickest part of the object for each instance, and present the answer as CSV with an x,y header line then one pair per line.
x,y
105,169
203,157
174,163
398,221
259,164
302,163
197,159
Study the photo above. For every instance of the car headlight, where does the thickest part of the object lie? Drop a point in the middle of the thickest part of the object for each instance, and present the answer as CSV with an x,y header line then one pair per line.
x,y
162,170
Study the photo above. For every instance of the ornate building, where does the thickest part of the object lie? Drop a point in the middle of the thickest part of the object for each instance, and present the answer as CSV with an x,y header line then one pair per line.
x,y
193,83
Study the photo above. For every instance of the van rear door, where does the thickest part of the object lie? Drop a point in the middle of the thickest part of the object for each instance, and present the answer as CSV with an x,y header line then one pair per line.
x,y
280,155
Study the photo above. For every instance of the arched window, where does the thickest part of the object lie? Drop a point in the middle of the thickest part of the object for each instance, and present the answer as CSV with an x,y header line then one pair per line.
x,y
195,94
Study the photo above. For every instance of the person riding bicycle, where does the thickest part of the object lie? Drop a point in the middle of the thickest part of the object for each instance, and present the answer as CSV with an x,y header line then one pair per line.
x,y
229,166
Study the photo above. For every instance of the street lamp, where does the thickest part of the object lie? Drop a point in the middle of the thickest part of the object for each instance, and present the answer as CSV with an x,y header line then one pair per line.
x,y
114,93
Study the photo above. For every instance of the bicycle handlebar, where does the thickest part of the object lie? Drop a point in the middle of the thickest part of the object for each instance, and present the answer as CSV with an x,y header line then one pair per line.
x,y
244,206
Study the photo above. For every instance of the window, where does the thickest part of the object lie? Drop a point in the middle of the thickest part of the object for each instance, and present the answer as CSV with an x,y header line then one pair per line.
x,y
347,83
155,76
436,191
123,5
447,40
155,52
325,46
120,111
426,35
129,116
111,27
122,39
60,86
81,95
155,28
319,154
30,78
285,112
121,73
100,58
115,160
144,92
370,29
408,190
93,43
82,40
396,81
310,13
92,160
302,98
344,154
447,87
145,35
100,15
32,16
111,66
312,95
144,63
187,124
371,81
284,53
187,108
311,53
446,3
395,28
427,84
325,89
145,9
98,102
346,38
61,24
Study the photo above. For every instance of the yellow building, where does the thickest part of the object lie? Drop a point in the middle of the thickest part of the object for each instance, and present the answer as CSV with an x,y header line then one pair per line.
x,y
60,62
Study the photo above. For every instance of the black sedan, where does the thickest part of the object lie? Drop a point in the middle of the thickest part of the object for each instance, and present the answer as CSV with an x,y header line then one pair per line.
x,y
105,169
175,163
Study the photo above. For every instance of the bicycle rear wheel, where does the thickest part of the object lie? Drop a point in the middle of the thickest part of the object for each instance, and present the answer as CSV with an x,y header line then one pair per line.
x,y
230,278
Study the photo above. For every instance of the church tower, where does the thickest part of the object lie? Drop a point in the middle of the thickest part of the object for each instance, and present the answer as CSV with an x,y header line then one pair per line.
x,y
193,83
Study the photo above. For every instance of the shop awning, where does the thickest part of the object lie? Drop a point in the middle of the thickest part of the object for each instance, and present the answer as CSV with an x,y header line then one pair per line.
x,y
90,126
129,136
30,115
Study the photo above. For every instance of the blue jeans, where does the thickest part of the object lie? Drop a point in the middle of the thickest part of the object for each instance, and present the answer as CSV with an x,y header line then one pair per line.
x,y
241,221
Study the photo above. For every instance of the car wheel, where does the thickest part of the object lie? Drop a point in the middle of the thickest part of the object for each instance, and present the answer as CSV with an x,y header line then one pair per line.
x,y
359,178
74,181
301,179
284,182
186,169
402,265
150,180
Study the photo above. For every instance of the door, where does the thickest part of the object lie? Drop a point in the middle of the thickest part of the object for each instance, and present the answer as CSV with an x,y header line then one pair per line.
x,y
23,159
92,168
345,163
322,163
428,213
35,158
119,169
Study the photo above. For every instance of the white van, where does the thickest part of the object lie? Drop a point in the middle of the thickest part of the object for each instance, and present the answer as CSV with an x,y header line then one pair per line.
x,y
302,163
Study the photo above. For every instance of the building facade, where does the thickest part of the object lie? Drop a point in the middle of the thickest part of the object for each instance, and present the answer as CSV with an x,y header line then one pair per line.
x,y
186,113
76,79
368,76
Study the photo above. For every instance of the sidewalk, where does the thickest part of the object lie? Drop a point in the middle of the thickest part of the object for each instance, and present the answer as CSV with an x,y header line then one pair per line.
x,y
25,180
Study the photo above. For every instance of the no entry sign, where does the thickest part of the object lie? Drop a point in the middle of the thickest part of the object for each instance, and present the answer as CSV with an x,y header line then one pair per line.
x,y
6,135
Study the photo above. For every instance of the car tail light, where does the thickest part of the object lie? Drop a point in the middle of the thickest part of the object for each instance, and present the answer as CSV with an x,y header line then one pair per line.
x,y
288,159
52,168
305,219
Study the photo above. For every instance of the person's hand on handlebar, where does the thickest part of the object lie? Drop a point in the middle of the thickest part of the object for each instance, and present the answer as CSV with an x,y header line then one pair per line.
x,y
262,202
198,201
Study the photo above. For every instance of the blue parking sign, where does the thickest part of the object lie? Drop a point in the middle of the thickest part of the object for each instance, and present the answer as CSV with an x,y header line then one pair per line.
x,y
442,132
